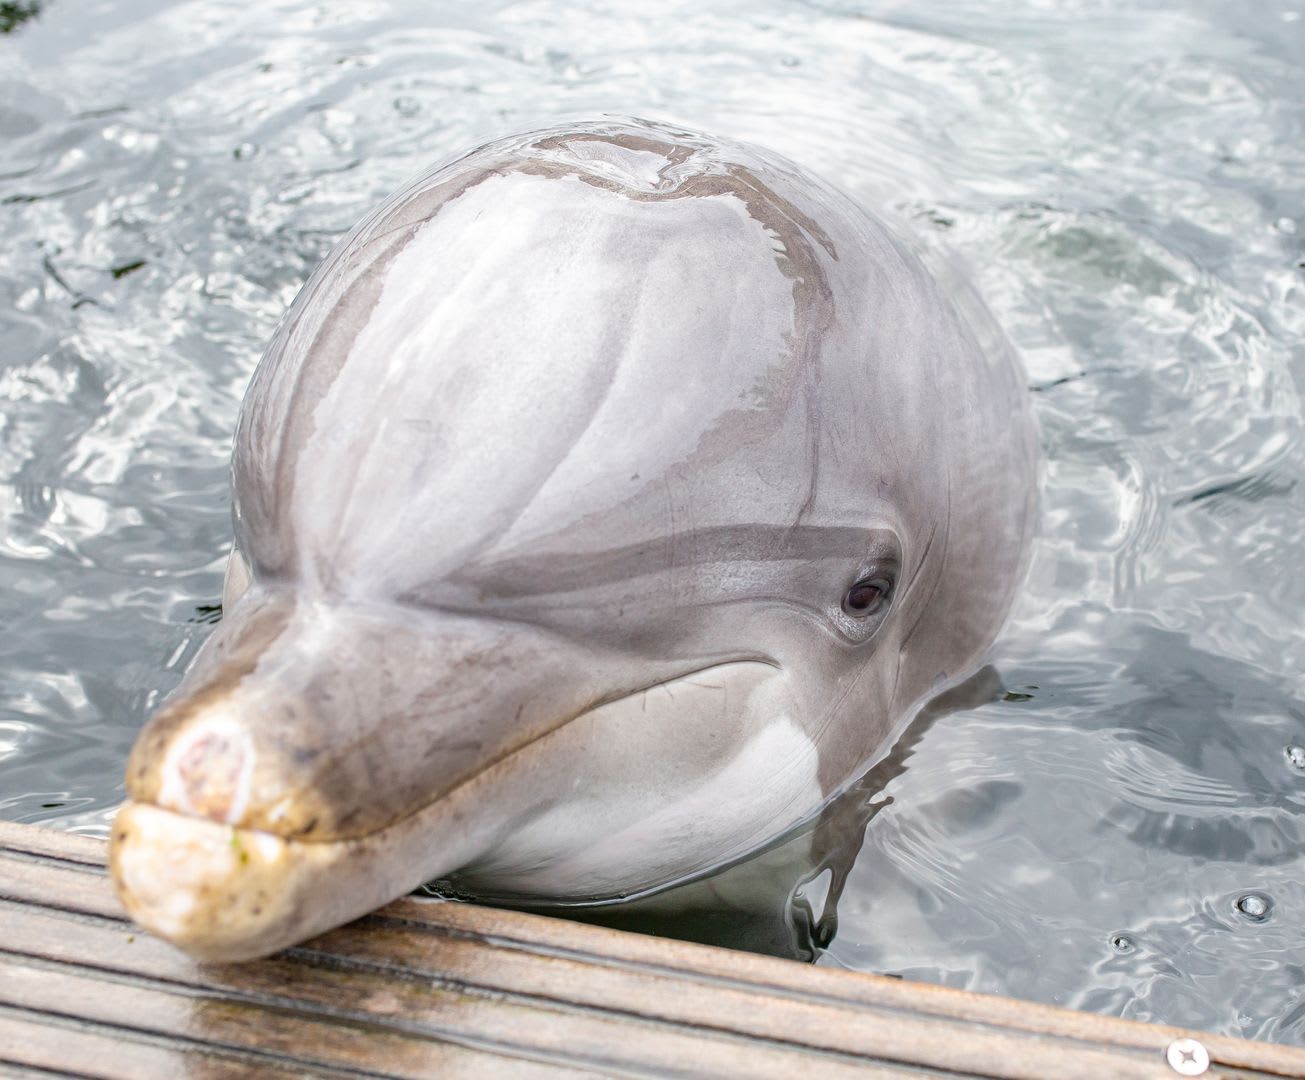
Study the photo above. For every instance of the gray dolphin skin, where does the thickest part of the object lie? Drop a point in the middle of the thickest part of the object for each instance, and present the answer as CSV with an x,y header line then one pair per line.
x,y
603,505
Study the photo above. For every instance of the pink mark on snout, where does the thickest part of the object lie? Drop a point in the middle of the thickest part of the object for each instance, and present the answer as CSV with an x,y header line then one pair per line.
x,y
213,774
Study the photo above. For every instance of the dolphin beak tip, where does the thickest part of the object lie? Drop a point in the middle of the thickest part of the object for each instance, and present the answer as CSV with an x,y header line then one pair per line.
x,y
214,891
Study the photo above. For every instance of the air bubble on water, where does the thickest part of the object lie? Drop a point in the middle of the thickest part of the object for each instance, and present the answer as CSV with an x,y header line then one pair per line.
x,y
1285,225
407,106
1122,943
245,151
1296,756
1255,906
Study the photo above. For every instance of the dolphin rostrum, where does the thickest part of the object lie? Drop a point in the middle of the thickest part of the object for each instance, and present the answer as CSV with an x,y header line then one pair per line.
x,y
603,504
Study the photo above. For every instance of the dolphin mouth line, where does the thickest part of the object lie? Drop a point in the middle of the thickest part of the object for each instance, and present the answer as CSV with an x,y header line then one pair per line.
x,y
751,658
361,838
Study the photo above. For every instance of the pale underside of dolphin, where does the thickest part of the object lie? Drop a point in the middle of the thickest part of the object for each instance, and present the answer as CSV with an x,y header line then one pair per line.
x,y
603,503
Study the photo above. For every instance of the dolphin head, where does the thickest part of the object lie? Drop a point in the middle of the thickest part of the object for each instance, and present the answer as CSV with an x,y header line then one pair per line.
x,y
603,503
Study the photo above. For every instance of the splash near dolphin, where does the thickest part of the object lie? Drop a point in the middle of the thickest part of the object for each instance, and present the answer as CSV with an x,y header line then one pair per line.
x,y
604,503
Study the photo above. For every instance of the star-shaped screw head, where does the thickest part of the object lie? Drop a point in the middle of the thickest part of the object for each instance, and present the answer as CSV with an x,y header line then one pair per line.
x,y
1187,1057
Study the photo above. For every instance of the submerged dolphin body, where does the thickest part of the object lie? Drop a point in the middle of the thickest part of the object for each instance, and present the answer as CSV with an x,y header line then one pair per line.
x,y
602,505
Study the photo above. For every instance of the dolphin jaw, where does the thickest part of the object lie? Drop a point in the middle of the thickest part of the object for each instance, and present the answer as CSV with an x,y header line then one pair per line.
x,y
218,892
228,894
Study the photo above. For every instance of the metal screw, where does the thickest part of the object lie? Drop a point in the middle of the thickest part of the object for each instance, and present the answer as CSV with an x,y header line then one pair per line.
x,y
1187,1057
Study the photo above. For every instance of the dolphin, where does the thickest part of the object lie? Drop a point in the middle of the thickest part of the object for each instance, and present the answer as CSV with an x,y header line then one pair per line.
x,y
603,505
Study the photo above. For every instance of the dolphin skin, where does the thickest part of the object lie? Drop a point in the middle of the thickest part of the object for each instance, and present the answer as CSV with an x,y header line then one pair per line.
x,y
603,505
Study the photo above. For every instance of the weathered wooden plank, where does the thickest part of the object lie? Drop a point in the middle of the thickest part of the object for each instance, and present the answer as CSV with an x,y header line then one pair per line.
x,y
284,1039
509,929
51,843
887,1035
58,886
582,1039
77,1049
434,988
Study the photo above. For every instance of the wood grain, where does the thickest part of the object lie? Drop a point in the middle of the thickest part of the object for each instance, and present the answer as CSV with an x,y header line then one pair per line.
x,y
429,988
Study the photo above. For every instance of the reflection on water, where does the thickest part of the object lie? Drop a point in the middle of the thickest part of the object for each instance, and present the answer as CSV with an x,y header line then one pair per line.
x,y
1122,829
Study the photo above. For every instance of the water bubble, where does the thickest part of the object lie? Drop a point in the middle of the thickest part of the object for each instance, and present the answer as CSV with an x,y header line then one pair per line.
x,y
1285,225
1255,906
1295,756
245,151
407,106
1122,943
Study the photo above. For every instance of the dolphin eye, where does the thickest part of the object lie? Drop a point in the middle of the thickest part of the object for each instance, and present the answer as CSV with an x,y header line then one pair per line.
x,y
866,597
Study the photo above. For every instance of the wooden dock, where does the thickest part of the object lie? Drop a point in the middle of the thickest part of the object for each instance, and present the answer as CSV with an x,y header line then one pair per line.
x,y
425,988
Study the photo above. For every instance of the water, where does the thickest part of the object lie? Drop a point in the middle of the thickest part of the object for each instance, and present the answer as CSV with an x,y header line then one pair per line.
x,y
1123,829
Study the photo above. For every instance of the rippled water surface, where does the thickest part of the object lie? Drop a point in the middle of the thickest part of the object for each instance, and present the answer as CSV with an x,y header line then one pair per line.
x,y
1126,180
